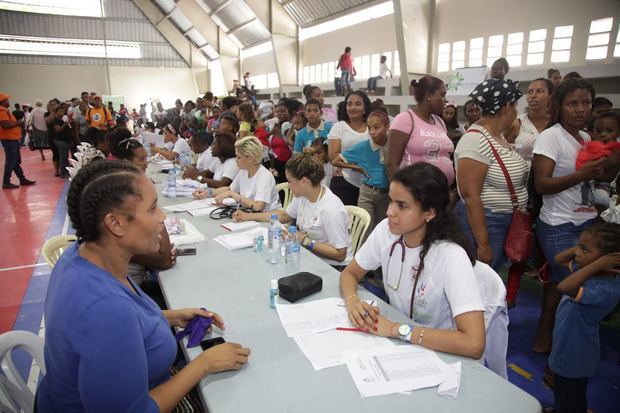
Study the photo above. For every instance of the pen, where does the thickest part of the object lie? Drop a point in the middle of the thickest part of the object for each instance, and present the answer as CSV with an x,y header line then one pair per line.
x,y
371,304
350,329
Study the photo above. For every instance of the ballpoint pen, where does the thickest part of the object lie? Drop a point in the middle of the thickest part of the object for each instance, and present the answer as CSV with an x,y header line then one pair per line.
x,y
371,304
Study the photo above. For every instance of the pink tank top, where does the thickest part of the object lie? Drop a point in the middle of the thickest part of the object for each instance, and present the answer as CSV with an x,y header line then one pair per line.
x,y
427,142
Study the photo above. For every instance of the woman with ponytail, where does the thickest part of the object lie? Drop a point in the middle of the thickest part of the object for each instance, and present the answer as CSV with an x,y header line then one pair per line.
x,y
427,268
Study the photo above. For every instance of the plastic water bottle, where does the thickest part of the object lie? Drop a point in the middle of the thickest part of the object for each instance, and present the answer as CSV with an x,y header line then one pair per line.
x,y
185,159
273,293
274,231
172,183
292,247
147,148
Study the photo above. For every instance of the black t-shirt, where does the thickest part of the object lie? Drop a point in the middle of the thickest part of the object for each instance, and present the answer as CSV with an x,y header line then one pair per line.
x,y
19,114
65,135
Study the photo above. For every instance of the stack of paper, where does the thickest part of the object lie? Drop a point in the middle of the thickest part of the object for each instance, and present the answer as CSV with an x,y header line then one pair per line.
x,y
240,240
238,226
197,208
191,235
395,369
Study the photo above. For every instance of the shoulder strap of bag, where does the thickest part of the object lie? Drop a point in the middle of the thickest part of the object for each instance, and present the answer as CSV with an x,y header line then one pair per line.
x,y
412,121
513,195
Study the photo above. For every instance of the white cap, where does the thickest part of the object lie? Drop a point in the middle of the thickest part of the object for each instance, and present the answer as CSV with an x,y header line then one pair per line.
x,y
274,284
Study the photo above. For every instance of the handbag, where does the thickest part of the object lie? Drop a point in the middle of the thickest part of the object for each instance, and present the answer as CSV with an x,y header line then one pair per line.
x,y
519,239
299,285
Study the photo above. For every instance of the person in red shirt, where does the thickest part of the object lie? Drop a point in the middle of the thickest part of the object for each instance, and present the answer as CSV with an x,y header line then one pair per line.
x,y
345,64
10,134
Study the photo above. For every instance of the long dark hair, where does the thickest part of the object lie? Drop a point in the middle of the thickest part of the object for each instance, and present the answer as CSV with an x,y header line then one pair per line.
x,y
429,187
365,99
560,92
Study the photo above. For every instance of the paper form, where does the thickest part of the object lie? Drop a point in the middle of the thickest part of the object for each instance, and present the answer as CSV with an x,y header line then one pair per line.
x,y
198,204
395,369
325,349
313,317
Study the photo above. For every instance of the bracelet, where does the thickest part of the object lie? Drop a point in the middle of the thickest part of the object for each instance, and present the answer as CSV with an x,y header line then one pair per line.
x,y
351,296
421,336
311,245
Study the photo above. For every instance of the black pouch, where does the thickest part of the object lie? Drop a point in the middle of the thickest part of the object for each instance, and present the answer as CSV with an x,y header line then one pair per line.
x,y
300,285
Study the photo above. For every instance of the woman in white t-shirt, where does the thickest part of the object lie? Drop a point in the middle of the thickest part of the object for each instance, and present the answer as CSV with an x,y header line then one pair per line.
x,y
254,186
568,206
427,265
343,135
180,147
223,169
322,219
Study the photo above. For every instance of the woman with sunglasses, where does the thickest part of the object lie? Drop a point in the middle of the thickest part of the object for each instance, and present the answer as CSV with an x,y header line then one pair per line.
x,y
427,268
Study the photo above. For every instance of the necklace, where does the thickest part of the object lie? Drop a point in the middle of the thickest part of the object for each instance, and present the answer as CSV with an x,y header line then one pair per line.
x,y
304,226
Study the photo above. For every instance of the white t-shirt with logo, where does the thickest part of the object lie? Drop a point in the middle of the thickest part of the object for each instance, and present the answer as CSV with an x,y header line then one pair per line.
x,y
573,205
227,169
447,285
205,159
260,187
348,137
326,221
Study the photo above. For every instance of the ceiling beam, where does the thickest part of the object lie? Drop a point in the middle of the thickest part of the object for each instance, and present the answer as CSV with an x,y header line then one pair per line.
x,y
241,26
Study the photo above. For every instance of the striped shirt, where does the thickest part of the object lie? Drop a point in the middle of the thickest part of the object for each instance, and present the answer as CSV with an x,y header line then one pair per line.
x,y
495,194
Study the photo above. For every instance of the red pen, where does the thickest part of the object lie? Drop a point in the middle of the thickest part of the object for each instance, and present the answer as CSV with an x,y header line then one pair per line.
x,y
350,329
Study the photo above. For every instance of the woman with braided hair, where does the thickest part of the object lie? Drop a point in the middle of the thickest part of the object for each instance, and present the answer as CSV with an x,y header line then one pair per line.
x,y
427,268
108,346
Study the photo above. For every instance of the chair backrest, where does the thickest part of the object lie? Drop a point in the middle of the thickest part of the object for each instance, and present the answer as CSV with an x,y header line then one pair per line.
x,y
288,194
493,294
14,392
359,219
55,246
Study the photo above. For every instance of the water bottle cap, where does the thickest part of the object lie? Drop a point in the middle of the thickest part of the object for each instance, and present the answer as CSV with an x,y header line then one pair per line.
x,y
292,229
274,216
274,284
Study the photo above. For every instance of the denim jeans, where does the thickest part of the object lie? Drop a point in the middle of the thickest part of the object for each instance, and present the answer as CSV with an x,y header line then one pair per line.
x,y
372,83
63,156
555,239
12,161
497,228
345,77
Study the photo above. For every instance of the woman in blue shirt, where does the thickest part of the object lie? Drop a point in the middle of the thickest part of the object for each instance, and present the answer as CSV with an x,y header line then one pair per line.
x,y
108,346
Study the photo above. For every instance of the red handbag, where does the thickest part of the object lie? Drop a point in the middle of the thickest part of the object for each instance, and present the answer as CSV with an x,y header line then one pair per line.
x,y
519,239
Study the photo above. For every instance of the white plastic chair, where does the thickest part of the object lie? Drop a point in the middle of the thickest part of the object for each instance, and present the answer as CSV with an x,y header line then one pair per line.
x,y
15,396
288,194
54,247
493,294
359,219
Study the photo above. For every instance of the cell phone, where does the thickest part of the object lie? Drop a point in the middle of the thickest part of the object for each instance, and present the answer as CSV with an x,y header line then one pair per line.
x,y
186,251
212,342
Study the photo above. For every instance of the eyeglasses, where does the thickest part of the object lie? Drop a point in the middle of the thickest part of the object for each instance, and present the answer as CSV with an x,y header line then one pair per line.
x,y
130,143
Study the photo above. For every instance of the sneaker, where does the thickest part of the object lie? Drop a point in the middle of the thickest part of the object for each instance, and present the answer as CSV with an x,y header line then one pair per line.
x,y
26,181
9,186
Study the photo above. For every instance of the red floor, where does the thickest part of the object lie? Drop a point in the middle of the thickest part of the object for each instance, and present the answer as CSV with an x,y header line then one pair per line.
x,y
25,215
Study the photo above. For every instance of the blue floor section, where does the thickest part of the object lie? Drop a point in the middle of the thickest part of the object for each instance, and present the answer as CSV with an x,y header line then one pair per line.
x,y
31,309
603,389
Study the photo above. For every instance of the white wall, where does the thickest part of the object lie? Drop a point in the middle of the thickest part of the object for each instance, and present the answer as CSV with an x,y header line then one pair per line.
x,y
373,36
27,83
466,19
258,65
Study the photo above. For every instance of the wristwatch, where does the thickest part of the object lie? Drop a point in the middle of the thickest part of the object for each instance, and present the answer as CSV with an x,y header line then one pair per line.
x,y
199,178
404,332
306,242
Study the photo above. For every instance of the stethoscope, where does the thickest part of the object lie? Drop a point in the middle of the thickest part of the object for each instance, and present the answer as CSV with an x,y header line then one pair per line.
x,y
400,242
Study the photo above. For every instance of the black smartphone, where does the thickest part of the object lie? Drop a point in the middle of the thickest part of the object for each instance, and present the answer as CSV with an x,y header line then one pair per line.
x,y
186,251
212,342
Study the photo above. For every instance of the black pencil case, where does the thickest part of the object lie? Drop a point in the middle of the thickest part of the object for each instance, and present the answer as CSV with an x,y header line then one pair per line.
x,y
300,285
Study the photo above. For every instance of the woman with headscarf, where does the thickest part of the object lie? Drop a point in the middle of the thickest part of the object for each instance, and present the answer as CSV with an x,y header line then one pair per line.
x,y
485,210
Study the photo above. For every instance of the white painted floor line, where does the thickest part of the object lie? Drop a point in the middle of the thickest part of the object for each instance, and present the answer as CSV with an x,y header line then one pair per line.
x,y
19,267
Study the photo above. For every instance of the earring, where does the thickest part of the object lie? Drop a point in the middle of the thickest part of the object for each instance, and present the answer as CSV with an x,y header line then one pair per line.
x,y
428,220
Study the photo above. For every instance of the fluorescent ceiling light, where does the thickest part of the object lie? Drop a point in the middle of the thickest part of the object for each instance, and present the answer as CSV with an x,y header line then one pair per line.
x,y
62,7
26,45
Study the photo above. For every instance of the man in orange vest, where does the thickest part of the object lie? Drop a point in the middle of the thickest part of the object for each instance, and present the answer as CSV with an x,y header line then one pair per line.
x,y
10,134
